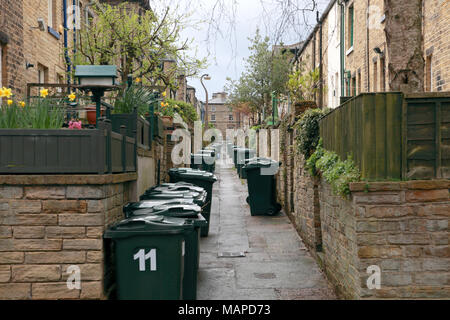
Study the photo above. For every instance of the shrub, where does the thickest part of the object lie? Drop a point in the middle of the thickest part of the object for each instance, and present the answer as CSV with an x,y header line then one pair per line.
x,y
339,174
308,133
134,96
186,110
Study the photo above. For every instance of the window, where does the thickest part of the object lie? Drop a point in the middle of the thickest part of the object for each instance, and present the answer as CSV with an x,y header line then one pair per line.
x,y
42,74
375,76
213,108
52,21
354,86
351,18
230,117
383,74
429,74
213,117
359,82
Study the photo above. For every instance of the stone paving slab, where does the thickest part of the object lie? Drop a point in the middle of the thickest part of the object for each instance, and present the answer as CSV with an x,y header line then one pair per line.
x,y
276,265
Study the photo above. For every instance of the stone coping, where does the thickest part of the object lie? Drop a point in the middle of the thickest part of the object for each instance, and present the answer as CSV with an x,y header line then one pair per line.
x,y
400,185
77,179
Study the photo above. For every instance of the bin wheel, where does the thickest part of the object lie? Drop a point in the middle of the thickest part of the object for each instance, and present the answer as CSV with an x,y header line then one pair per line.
x,y
274,210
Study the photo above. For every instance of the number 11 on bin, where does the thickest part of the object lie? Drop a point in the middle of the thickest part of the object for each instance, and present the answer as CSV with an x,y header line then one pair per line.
x,y
143,257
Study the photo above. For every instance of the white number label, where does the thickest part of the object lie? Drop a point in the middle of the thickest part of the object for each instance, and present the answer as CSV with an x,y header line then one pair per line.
x,y
143,257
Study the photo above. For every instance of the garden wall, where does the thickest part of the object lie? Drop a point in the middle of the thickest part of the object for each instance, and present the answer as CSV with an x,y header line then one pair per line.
x,y
50,222
401,227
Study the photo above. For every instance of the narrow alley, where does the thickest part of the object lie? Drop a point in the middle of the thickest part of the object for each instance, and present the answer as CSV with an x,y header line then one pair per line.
x,y
258,258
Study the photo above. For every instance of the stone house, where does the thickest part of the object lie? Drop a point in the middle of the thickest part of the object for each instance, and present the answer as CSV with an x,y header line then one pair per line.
x,y
222,116
350,47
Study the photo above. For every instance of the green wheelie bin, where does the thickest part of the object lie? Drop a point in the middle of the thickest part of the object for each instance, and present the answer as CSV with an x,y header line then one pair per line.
x,y
192,254
180,193
261,186
149,257
242,155
203,160
200,178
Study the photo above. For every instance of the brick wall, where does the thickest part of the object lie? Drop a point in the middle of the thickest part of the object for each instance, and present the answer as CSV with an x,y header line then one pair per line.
x,y
48,223
402,227
436,31
12,43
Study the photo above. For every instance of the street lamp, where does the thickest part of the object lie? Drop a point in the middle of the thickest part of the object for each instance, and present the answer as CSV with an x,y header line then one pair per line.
x,y
97,79
206,77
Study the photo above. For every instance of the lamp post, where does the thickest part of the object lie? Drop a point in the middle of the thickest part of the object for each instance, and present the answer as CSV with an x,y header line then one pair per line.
x,y
206,77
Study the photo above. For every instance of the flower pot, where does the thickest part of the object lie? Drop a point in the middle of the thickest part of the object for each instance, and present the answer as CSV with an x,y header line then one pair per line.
x,y
91,114
168,121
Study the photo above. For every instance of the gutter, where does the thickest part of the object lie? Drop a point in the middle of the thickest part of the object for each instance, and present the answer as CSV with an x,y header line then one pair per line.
x,y
66,46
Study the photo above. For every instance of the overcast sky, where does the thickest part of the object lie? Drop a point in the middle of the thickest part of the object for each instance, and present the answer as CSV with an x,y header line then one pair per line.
x,y
227,49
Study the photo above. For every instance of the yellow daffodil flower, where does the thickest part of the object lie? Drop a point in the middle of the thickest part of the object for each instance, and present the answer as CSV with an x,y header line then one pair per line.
x,y
72,96
44,93
6,93
2,94
138,80
162,104
22,104
10,102
164,94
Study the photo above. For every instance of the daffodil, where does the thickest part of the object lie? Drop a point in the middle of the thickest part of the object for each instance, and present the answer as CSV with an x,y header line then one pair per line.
x,y
2,94
10,102
138,80
72,96
164,94
44,93
162,104
6,93
22,104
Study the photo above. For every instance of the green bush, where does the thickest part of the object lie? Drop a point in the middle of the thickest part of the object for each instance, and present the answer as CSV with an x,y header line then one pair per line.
x,y
339,174
186,110
134,96
308,133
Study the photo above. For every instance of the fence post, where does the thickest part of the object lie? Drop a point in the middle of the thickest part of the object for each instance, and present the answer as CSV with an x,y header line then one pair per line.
x,y
123,132
135,149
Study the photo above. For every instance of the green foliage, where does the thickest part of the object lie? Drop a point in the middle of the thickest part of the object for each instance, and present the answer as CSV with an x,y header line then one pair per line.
x,y
140,41
303,85
134,96
40,113
339,174
308,133
186,110
266,71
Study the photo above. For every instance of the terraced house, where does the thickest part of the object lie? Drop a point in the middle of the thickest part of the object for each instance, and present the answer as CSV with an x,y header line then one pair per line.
x,y
363,46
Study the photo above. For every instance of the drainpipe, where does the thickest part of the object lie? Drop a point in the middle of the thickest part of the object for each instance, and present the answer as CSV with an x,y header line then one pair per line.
x,y
341,4
74,9
66,46
368,47
321,63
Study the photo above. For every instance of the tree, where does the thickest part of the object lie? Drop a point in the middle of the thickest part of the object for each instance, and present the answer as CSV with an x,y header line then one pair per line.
x,y
267,71
137,43
303,85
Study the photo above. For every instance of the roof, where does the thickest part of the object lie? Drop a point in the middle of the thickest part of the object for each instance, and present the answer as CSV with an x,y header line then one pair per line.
x,y
219,99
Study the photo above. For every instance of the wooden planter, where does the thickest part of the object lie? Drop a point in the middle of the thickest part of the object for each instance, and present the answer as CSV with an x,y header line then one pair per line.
x,y
63,151
136,127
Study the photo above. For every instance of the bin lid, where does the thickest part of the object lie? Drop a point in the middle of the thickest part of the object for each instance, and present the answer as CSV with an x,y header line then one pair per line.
x,y
193,174
199,197
181,186
256,163
181,210
148,225
145,204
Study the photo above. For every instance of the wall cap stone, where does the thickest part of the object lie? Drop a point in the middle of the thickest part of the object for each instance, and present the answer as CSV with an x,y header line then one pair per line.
x,y
399,185
77,179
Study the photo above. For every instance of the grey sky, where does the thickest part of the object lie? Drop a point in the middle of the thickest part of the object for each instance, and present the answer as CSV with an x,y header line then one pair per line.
x,y
237,20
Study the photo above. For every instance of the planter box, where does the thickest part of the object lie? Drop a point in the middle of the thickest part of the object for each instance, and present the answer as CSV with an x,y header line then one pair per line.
x,y
136,127
63,151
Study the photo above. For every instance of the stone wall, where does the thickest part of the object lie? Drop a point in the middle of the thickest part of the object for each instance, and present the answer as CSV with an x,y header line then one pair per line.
x,y
401,227
48,223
